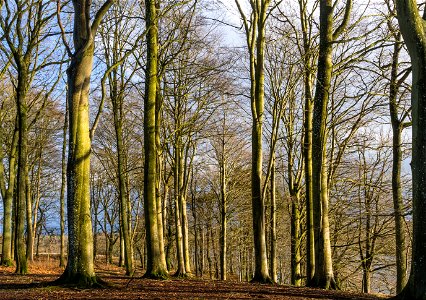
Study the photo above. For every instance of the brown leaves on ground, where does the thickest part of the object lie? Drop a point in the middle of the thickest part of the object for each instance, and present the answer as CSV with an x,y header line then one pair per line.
x,y
34,286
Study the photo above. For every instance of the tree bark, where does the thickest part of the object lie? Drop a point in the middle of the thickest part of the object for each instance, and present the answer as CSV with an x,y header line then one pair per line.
x,y
397,127
324,276
21,196
80,266
307,143
62,194
412,27
156,267
255,35
8,204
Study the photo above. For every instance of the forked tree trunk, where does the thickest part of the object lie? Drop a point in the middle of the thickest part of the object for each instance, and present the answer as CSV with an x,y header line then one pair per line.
x,y
80,266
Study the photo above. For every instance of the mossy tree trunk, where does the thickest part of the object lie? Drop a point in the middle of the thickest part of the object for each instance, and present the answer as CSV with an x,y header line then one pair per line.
x,y
156,267
413,29
255,37
324,276
308,75
80,265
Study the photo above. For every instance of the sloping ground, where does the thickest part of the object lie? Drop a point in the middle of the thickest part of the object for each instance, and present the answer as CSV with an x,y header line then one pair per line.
x,y
33,286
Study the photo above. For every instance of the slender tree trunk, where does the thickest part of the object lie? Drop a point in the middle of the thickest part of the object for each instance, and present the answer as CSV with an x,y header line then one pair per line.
x,y
178,223
397,127
161,220
7,252
21,196
30,229
223,215
296,276
307,143
62,194
122,188
261,273
273,242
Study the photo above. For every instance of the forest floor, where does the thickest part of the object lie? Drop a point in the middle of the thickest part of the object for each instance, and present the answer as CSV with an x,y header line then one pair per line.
x,y
35,286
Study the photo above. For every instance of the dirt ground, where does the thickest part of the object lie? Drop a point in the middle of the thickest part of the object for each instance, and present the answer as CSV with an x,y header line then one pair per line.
x,y
33,286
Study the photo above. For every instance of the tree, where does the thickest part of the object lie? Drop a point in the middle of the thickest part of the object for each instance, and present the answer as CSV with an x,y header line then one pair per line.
x,y
399,115
156,267
80,267
324,276
8,184
255,28
412,27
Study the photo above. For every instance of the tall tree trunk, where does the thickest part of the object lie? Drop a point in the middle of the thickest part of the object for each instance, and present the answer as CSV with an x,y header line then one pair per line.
x,y
307,143
273,241
178,222
223,214
117,103
62,194
160,205
80,267
323,266
156,267
31,224
397,127
296,276
8,204
21,196
324,276
413,32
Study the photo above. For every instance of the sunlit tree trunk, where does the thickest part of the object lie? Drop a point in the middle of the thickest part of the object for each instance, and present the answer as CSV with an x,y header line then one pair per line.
x,y
307,141
324,276
80,266
156,267
255,36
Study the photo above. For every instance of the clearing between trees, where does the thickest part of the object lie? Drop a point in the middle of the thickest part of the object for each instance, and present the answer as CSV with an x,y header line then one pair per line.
x,y
36,286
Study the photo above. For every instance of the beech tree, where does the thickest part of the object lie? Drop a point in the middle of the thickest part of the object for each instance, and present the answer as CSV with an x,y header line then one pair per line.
x,y
324,276
412,26
80,268
255,28
156,262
